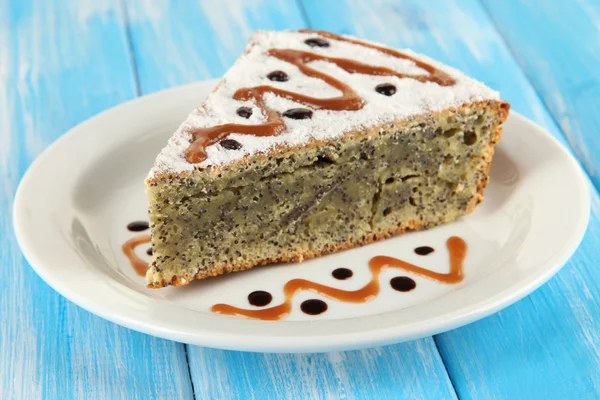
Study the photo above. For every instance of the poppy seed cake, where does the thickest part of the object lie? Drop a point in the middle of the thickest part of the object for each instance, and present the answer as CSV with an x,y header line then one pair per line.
x,y
314,143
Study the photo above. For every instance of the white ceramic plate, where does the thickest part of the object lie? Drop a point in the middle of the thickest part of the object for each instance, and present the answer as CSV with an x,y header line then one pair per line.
x,y
75,201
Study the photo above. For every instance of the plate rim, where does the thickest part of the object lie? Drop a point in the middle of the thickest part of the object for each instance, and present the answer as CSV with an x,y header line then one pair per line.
x,y
291,343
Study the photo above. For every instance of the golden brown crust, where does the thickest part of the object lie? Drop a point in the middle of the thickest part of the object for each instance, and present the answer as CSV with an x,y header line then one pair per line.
x,y
501,108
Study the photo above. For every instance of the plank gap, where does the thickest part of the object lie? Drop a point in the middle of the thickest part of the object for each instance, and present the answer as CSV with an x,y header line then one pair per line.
x,y
443,358
129,44
187,360
303,13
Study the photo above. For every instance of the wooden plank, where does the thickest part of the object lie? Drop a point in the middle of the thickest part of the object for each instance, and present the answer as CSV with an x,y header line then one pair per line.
x,y
60,63
407,371
556,43
177,42
202,41
545,346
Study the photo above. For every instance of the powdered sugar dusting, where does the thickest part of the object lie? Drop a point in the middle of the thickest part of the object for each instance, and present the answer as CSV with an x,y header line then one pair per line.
x,y
412,98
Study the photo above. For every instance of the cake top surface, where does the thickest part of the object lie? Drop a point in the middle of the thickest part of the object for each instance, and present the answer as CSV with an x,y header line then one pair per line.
x,y
361,99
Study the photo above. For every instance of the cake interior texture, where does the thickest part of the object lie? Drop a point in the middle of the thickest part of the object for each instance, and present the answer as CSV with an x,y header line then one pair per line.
x,y
297,203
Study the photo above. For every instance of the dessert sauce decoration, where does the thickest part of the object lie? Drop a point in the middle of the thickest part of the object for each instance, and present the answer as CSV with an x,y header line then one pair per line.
x,y
298,113
230,144
386,89
403,283
137,226
313,307
342,273
457,249
349,100
278,76
316,42
259,298
244,112
424,250
140,266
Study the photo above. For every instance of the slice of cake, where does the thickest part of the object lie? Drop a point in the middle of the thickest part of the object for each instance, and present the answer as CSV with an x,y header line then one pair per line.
x,y
314,143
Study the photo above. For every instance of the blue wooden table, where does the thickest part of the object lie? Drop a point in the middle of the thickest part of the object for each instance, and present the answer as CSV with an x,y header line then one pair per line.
x,y
63,61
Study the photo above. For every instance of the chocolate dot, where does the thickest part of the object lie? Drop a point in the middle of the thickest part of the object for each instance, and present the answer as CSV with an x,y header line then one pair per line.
x,y
313,307
244,112
403,283
137,226
278,76
386,89
260,298
424,250
149,251
230,144
298,113
317,42
342,273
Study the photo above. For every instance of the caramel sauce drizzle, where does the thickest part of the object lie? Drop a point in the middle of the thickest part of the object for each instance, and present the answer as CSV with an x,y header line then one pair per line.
x,y
348,100
140,266
457,249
